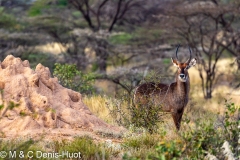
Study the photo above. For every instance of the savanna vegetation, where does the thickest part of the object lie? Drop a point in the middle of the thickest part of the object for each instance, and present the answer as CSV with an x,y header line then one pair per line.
x,y
105,48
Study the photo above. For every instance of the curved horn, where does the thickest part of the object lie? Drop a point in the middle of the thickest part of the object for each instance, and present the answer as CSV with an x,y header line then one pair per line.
x,y
190,52
177,52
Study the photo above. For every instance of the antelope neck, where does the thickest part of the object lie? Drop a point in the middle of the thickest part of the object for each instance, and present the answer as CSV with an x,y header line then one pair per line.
x,y
183,87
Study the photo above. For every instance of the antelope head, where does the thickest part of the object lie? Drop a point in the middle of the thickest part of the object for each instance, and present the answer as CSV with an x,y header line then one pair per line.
x,y
182,72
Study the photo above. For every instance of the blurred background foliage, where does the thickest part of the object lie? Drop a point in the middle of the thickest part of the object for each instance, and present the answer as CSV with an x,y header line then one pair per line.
x,y
107,36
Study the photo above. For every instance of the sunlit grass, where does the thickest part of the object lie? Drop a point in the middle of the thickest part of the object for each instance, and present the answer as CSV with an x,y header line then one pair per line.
x,y
107,108
97,104
141,145
53,48
87,147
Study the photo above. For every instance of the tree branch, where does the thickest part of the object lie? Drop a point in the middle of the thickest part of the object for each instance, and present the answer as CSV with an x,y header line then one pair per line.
x,y
116,15
79,6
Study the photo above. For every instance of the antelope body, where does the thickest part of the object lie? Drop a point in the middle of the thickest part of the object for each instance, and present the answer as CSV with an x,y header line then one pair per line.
x,y
171,98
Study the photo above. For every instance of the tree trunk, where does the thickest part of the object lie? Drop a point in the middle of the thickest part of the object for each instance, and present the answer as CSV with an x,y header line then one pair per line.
x,y
102,64
209,81
102,55
238,62
208,95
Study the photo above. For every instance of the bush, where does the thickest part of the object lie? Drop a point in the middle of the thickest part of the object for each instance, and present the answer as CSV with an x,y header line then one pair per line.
x,y
167,151
123,38
70,77
37,7
7,21
127,114
230,124
146,116
204,138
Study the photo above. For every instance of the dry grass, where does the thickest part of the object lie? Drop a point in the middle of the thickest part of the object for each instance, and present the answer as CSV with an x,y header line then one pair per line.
x,y
109,109
98,105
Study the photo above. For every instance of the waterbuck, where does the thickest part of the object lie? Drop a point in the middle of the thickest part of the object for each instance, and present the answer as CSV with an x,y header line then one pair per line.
x,y
171,98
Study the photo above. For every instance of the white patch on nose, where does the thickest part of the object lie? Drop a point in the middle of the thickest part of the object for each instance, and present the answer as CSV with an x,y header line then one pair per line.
x,y
182,77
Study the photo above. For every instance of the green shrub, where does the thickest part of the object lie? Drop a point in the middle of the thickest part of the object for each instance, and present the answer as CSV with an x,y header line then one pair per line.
x,y
204,138
127,114
72,78
167,151
231,124
37,7
123,38
62,3
87,147
209,135
7,21
146,116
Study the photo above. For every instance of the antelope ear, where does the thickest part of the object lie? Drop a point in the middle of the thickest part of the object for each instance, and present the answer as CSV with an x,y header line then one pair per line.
x,y
192,63
174,62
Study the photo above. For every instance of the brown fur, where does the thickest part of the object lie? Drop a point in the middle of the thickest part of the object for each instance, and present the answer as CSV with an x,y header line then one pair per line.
x,y
171,98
